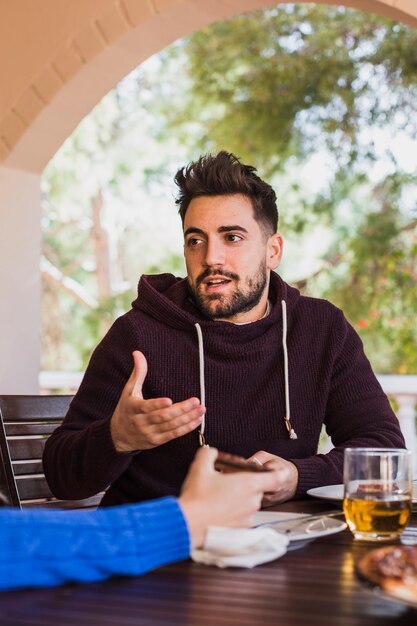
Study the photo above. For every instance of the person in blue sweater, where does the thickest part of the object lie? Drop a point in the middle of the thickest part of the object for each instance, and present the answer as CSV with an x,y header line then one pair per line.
x,y
40,548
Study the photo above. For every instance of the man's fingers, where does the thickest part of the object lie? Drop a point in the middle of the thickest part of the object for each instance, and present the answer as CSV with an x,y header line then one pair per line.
x,y
140,406
161,429
177,423
157,437
161,410
261,457
271,482
166,421
137,378
165,411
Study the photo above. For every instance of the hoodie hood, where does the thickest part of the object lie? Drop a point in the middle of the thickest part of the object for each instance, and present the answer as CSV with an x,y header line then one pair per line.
x,y
167,299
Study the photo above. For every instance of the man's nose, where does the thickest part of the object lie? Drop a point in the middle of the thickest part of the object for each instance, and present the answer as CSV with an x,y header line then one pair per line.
x,y
214,254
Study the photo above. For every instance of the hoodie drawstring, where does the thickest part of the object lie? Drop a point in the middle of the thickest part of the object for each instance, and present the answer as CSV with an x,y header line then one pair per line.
x,y
291,432
202,383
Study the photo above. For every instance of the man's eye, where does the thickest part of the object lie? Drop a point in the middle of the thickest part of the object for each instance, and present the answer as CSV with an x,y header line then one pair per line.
x,y
233,238
193,241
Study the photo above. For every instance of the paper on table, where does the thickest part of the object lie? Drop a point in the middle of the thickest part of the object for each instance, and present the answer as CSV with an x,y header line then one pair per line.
x,y
240,547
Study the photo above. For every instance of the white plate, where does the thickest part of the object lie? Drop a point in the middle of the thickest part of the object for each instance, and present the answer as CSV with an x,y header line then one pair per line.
x,y
330,492
335,493
298,532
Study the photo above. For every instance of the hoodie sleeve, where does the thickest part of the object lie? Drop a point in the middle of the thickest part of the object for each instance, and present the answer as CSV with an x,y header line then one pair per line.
x,y
80,459
358,413
40,548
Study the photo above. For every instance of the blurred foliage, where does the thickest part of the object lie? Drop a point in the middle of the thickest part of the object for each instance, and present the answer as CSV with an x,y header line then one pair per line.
x,y
277,86
373,278
273,82
113,158
322,100
98,321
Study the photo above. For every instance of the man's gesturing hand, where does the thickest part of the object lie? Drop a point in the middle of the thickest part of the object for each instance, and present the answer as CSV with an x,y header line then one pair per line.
x,y
139,424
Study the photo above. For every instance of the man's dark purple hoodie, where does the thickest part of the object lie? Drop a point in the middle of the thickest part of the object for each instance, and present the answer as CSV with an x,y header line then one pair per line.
x,y
247,387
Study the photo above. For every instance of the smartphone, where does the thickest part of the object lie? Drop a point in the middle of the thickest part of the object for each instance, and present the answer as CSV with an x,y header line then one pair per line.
x,y
237,464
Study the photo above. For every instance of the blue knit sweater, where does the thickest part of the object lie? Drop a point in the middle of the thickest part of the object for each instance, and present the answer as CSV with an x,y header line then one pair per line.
x,y
40,548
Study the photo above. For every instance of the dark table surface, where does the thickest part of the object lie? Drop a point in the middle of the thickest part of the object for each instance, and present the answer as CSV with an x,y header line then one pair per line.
x,y
316,584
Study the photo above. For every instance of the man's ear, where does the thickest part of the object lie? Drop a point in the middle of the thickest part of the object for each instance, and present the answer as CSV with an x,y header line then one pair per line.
x,y
274,251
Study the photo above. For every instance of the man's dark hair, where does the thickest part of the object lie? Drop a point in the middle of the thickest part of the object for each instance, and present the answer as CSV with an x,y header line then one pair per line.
x,y
223,174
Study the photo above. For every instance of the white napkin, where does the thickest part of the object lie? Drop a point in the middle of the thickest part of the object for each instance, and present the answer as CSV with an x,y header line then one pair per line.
x,y
240,547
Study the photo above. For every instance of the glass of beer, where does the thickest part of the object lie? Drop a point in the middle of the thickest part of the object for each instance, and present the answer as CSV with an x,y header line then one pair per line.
x,y
377,492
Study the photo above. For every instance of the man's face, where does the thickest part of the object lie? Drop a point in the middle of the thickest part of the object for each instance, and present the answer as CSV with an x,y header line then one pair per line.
x,y
228,257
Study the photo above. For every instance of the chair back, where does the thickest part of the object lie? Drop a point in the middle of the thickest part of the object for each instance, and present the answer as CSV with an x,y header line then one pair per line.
x,y
26,421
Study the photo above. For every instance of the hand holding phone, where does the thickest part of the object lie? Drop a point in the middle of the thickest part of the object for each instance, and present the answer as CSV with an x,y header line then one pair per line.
x,y
228,463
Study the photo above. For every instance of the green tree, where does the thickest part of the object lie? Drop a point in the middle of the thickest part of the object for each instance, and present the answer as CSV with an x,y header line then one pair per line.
x,y
283,85
101,194
286,89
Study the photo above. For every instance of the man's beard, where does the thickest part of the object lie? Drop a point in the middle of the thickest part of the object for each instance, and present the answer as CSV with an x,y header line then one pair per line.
x,y
219,306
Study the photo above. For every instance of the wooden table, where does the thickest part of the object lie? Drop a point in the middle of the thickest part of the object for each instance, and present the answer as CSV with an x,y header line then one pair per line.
x,y
315,585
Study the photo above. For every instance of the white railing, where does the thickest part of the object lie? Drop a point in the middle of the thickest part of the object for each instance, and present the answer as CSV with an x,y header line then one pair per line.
x,y
64,382
402,389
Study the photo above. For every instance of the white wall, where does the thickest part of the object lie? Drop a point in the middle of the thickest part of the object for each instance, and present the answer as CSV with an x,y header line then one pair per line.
x,y
20,245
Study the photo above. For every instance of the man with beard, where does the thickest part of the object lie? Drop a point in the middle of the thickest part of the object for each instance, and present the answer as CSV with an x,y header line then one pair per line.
x,y
230,357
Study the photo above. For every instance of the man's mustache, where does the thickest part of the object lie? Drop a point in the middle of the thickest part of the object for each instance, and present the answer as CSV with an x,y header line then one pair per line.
x,y
208,272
